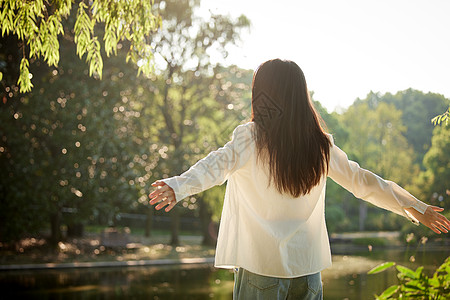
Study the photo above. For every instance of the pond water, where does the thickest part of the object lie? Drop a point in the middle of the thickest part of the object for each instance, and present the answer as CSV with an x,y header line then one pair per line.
x,y
346,279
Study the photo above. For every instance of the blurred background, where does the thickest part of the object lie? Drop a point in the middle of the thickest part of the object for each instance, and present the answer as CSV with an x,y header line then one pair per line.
x,y
78,153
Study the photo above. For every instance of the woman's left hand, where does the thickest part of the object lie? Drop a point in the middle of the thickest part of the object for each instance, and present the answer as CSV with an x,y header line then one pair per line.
x,y
163,195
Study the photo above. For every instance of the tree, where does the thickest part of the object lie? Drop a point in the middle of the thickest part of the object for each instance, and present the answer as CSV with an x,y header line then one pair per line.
x,y
444,117
338,200
181,86
39,24
376,140
231,87
98,144
217,104
437,163
71,147
417,110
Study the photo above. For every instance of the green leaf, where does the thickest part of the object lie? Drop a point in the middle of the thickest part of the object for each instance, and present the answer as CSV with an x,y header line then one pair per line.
x,y
419,271
24,81
434,282
404,271
389,292
381,267
83,28
441,118
415,283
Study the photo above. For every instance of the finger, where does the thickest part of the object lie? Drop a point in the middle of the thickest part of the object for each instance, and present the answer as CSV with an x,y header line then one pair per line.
x,y
158,183
156,199
171,205
442,219
434,228
442,227
437,208
163,203
159,197
153,195
159,190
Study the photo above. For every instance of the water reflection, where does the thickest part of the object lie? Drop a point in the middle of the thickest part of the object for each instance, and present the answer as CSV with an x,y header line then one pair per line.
x,y
347,279
171,282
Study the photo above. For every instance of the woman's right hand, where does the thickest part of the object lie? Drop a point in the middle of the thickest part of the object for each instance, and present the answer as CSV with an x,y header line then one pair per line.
x,y
432,219
163,195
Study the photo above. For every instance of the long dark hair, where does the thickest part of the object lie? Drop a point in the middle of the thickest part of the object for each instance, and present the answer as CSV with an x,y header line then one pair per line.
x,y
289,136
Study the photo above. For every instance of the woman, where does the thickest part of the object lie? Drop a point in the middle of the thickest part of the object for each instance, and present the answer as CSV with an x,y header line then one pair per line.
x,y
272,227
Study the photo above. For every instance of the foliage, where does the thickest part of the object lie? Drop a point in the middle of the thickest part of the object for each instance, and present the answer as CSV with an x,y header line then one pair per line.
x,y
437,164
332,124
214,201
376,140
335,217
390,135
75,144
417,109
90,148
338,200
379,143
432,184
441,118
416,284
39,24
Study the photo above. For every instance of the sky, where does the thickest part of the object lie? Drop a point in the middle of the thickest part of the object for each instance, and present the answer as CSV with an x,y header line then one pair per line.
x,y
347,48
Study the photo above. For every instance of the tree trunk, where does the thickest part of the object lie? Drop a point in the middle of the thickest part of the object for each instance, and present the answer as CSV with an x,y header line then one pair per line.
x,y
362,215
149,222
207,226
55,227
75,230
176,140
175,226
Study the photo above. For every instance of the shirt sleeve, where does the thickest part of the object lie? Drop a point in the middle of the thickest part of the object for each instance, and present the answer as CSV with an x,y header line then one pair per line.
x,y
215,168
370,187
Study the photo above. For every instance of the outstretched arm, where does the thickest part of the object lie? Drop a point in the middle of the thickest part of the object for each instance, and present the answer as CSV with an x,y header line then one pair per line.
x,y
432,219
212,170
383,193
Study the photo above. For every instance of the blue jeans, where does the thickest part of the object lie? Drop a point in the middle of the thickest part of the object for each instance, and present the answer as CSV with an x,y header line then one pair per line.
x,y
248,285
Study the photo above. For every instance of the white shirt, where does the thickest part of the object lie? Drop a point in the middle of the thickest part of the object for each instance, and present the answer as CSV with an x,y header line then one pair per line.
x,y
274,234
